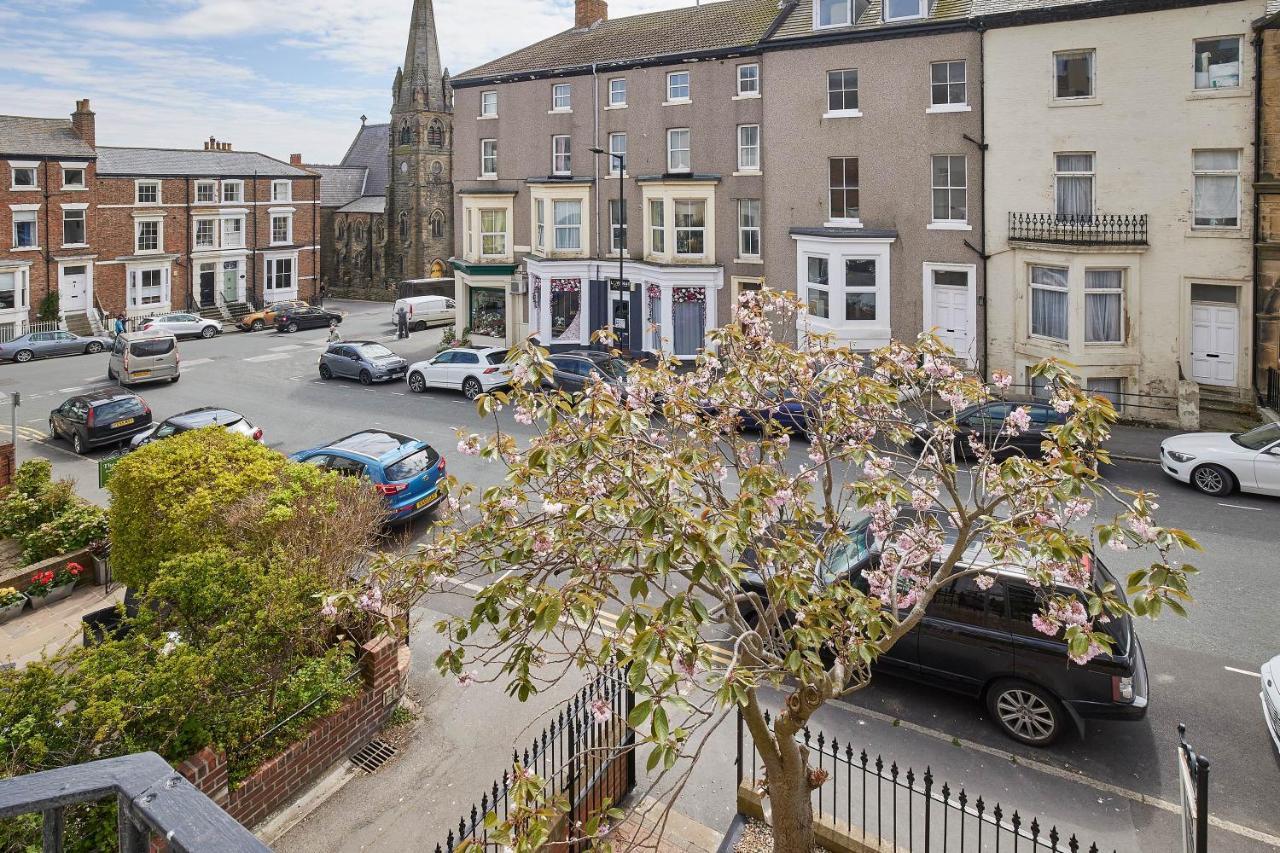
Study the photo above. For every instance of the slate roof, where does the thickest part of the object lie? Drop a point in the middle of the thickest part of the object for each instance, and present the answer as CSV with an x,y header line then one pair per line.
x,y
340,184
50,136
690,29
159,162
366,204
369,150
799,24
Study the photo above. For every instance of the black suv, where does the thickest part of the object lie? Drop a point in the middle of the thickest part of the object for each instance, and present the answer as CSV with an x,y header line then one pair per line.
x,y
981,643
305,317
572,370
109,416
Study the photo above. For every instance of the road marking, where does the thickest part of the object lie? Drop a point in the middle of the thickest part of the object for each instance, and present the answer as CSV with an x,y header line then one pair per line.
x,y
196,361
1242,671
285,347
77,388
31,434
271,356
398,393
1237,506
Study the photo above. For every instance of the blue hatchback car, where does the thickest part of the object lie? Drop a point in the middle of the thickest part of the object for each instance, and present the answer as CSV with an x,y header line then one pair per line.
x,y
405,470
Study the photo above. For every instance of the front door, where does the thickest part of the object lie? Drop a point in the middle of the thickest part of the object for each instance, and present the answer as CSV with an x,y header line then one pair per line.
x,y
208,283
73,290
230,281
950,320
1215,335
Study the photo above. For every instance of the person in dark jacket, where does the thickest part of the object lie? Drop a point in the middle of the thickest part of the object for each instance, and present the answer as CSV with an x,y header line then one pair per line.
x,y
402,322
320,295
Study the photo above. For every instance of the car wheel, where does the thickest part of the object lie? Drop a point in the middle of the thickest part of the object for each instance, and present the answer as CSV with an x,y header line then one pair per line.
x,y
1025,712
23,356
111,374
208,332
291,327
325,372
417,384
174,379
366,378
93,348
53,429
1213,480
471,388
420,326
77,443
257,326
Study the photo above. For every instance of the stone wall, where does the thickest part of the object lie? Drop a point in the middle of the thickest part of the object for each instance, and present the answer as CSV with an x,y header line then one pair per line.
x,y
8,464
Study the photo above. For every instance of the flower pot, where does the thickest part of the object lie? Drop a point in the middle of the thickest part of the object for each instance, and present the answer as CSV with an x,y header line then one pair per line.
x,y
11,611
56,594
101,569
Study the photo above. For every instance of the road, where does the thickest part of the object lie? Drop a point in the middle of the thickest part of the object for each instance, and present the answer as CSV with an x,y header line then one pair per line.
x,y
1203,668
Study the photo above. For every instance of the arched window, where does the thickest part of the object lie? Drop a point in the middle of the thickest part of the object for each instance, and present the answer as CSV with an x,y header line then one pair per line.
x,y
437,268
342,228
380,231
404,226
406,134
437,225
435,134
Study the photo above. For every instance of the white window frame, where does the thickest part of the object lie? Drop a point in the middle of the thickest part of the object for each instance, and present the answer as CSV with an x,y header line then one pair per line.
x,y
238,186
539,224
137,235
80,209
744,231
845,221
16,166
212,223
749,152
1197,173
136,290
922,11
489,103
138,186
567,154
502,235
676,228
1091,174
1240,54
1105,292
21,289
950,188
556,227
214,194
1033,286
488,158
1090,52
288,228
225,230
282,190
817,16
561,92
31,214
656,210
672,150
673,87
83,169
271,276
615,149
844,112
613,102
949,106
618,231
753,89
823,286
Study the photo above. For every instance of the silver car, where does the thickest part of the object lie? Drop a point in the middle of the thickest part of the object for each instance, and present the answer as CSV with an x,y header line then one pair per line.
x,y
49,344
184,325
1271,698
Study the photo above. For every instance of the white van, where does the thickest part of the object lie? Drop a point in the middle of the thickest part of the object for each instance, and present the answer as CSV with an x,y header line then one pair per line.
x,y
148,356
425,311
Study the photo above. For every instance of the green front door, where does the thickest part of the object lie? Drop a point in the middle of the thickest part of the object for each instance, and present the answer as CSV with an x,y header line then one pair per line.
x,y
230,281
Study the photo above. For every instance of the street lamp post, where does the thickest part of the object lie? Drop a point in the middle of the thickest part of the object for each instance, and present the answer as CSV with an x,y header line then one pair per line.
x,y
622,217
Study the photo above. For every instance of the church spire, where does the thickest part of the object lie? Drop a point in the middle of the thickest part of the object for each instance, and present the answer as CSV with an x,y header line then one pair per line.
x,y
422,85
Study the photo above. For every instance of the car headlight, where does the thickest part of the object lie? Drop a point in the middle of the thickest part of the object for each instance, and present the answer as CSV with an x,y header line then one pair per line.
x,y
1179,457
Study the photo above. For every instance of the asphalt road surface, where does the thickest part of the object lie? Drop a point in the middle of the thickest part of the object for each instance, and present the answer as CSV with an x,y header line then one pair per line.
x,y
1203,669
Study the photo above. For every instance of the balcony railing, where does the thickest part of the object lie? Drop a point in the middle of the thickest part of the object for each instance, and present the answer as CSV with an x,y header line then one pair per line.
x,y
1071,229
152,800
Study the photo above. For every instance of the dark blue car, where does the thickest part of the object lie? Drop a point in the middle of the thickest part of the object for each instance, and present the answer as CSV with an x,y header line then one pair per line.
x,y
405,470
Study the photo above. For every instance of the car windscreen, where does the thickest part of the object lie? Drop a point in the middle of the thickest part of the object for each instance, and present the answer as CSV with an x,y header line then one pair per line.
x,y
149,348
615,367
848,553
376,351
496,357
412,465
1256,439
114,410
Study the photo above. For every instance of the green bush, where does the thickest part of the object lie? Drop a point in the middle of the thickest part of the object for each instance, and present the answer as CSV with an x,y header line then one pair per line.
x,y
70,530
45,516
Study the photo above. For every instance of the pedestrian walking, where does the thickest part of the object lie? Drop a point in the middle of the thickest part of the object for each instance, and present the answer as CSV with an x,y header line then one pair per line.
x,y
334,337
119,326
402,322
320,295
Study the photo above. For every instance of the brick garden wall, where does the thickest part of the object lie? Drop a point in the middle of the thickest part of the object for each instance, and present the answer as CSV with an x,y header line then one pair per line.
x,y
384,665
8,464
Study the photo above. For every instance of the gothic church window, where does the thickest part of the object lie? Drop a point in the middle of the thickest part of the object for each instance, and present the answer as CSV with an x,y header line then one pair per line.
x,y
437,169
404,226
435,134
437,225
380,231
406,134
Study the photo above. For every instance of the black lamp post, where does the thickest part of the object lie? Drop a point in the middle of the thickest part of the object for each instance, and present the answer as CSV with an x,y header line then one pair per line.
x,y
622,218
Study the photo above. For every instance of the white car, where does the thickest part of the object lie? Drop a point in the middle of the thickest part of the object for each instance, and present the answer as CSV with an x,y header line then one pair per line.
x,y
473,371
1218,463
184,325
1271,697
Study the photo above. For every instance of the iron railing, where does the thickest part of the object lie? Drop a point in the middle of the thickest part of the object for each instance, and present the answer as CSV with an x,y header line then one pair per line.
x,y
1270,389
1124,401
895,808
1107,229
152,799
579,756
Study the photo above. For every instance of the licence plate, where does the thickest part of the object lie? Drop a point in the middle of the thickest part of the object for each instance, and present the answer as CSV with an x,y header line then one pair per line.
x,y
138,373
123,423
425,502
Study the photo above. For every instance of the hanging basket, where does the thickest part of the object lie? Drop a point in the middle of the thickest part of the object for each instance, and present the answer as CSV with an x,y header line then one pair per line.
x,y
566,285
689,294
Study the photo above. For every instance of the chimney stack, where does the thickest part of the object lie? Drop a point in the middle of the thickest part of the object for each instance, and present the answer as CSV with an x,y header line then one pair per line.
x,y
214,145
588,12
295,159
82,122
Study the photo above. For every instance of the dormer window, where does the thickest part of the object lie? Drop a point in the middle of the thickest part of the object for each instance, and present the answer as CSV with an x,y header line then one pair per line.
x,y
832,13
902,10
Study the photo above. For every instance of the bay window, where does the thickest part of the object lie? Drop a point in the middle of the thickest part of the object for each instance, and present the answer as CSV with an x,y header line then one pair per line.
x,y
1049,303
280,274
539,225
13,291
859,289
493,232
657,227
818,292
691,228
568,225
566,305
150,287
1104,306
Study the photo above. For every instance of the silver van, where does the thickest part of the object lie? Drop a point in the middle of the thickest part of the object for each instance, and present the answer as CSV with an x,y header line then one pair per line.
x,y
425,311
144,357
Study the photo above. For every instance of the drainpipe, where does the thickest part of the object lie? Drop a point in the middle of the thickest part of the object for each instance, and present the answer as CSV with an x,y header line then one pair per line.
x,y
47,251
191,246
1257,210
595,143
253,252
982,188
315,237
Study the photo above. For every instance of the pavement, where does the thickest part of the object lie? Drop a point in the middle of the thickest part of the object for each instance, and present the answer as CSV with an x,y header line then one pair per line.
x,y
37,632
1203,669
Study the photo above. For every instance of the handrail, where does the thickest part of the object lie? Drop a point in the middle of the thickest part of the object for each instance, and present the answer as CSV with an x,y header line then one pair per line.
x,y
1106,229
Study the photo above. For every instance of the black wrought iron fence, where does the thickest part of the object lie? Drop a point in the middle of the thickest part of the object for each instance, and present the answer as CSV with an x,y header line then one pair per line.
x,y
882,803
585,754
1270,389
1124,401
1101,230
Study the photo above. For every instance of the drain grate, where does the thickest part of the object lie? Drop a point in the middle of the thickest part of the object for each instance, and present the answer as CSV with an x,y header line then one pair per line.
x,y
373,755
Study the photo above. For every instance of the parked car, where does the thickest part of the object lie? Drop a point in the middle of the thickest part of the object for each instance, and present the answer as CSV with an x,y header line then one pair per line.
x,y
981,643
306,317
405,470
474,371
1218,463
988,421
425,311
367,361
184,325
144,357
108,416
1271,698
48,344
197,419
573,370
256,321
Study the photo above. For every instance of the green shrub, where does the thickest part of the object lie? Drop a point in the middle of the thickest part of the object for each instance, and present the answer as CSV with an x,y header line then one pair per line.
x,y
33,477
45,516
71,530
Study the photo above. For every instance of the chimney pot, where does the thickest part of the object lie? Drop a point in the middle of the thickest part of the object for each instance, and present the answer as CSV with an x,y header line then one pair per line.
x,y
82,123
588,12
295,159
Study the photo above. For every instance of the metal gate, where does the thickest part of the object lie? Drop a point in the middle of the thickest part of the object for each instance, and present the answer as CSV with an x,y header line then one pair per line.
x,y
1193,784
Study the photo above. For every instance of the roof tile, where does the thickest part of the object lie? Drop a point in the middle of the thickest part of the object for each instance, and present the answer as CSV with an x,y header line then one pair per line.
x,y
48,136
162,162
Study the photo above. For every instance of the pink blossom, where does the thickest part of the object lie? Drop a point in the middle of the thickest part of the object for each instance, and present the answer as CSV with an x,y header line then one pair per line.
x,y
1144,528
1116,543
1076,508
1061,406
1019,421
523,416
1092,652
551,507
543,542
329,611
467,679
600,710
815,454
469,446
984,582
920,501
1044,624
954,398
1002,379
779,499
686,665
371,600
509,502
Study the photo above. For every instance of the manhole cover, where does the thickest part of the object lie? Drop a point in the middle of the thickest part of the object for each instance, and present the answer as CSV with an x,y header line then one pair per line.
x,y
373,755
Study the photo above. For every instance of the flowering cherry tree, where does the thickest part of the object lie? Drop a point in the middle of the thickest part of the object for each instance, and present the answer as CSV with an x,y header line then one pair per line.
x,y
628,522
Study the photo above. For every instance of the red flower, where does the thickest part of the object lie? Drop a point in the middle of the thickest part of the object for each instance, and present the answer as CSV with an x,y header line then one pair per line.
x,y
75,568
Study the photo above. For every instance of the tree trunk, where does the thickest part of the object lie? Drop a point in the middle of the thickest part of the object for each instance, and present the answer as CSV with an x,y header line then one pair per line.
x,y
791,806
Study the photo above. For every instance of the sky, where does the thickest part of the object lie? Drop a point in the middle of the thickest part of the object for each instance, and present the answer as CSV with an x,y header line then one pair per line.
x,y
276,76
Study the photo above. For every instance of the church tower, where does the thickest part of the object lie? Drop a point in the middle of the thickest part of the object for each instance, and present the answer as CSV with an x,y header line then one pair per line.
x,y
420,190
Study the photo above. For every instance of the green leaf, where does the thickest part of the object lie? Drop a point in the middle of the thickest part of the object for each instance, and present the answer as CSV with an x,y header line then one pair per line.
x,y
638,714
661,729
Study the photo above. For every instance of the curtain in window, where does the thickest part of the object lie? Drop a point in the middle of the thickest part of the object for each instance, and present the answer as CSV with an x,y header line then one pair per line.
x,y
655,318
568,216
1102,305
1109,387
1217,196
1049,302
1075,195
689,320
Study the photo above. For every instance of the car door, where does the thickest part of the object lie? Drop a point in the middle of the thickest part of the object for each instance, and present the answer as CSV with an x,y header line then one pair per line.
x,y
436,372
569,374
347,466
58,419
964,641
42,344
65,343
463,365
443,312
1266,470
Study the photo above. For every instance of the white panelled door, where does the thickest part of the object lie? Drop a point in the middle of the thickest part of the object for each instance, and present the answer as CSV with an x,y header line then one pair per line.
x,y
73,290
949,309
1215,340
